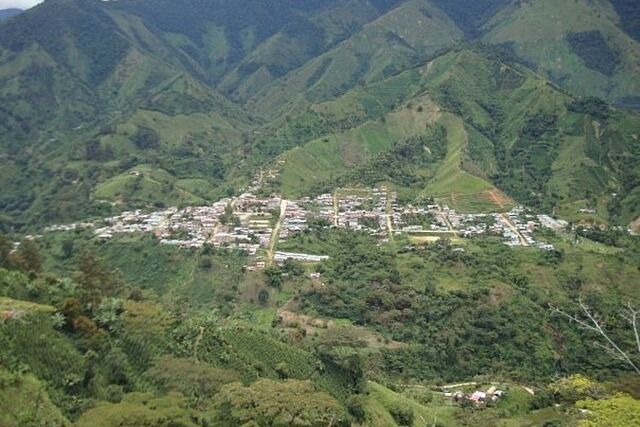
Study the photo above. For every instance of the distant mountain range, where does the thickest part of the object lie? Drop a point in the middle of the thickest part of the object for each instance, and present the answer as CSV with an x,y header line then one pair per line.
x,y
322,92
8,13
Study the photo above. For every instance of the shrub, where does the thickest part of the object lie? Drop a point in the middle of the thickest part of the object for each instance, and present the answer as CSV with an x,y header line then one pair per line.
x,y
356,408
402,415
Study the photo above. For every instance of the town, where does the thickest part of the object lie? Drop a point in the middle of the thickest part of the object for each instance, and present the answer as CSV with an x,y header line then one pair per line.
x,y
257,224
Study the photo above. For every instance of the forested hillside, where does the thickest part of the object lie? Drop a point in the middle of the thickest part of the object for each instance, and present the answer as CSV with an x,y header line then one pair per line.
x,y
585,47
488,123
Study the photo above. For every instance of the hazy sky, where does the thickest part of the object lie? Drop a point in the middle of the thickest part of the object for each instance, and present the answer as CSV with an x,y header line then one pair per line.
x,y
22,4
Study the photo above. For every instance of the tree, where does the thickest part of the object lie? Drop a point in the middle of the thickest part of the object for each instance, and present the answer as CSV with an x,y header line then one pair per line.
x,y
5,250
146,138
263,296
205,263
574,388
24,402
278,403
292,267
67,248
96,280
349,361
140,410
274,277
227,216
403,415
199,382
591,321
28,257
621,410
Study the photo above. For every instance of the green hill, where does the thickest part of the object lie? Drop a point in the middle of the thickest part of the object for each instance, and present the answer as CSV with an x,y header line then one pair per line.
x,y
580,45
203,94
381,49
506,128
80,93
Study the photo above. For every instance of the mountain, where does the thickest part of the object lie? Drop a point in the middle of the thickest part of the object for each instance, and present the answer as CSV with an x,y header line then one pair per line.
x,y
492,126
451,183
198,97
589,48
78,90
8,13
380,49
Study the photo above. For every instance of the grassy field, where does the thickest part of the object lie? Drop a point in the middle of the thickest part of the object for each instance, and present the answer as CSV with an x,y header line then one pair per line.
x,y
329,157
151,186
380,399
453,185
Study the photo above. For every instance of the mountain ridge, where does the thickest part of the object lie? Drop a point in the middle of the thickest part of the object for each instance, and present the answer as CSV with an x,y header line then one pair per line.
x,y
254,81
9,13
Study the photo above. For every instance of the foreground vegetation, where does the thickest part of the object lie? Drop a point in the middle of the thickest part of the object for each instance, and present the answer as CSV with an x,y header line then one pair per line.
x,y
132,332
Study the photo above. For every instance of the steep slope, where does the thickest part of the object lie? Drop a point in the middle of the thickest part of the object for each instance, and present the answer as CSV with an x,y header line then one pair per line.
x,y
106,59
73,76
629,13
219,34
471,16
297,43
581,45
407,34
500,126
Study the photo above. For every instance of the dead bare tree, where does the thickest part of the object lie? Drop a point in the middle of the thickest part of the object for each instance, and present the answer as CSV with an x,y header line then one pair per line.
x,y
589,320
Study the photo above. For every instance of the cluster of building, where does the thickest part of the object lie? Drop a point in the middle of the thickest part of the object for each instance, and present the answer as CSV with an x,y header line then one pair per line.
x,y
369,212
252,223
478,398
245,222
361,211
516,227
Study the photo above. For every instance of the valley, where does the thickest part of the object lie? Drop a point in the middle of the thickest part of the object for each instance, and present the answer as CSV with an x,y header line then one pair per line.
x,y
362,213
257,225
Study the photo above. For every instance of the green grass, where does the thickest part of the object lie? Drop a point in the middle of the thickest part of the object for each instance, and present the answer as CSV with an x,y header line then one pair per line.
x,y
380,399
451,183
183,273
260,318
151,186
329,157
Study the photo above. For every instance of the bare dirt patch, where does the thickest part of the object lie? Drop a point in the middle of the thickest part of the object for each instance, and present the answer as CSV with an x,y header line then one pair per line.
x,y
499,198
